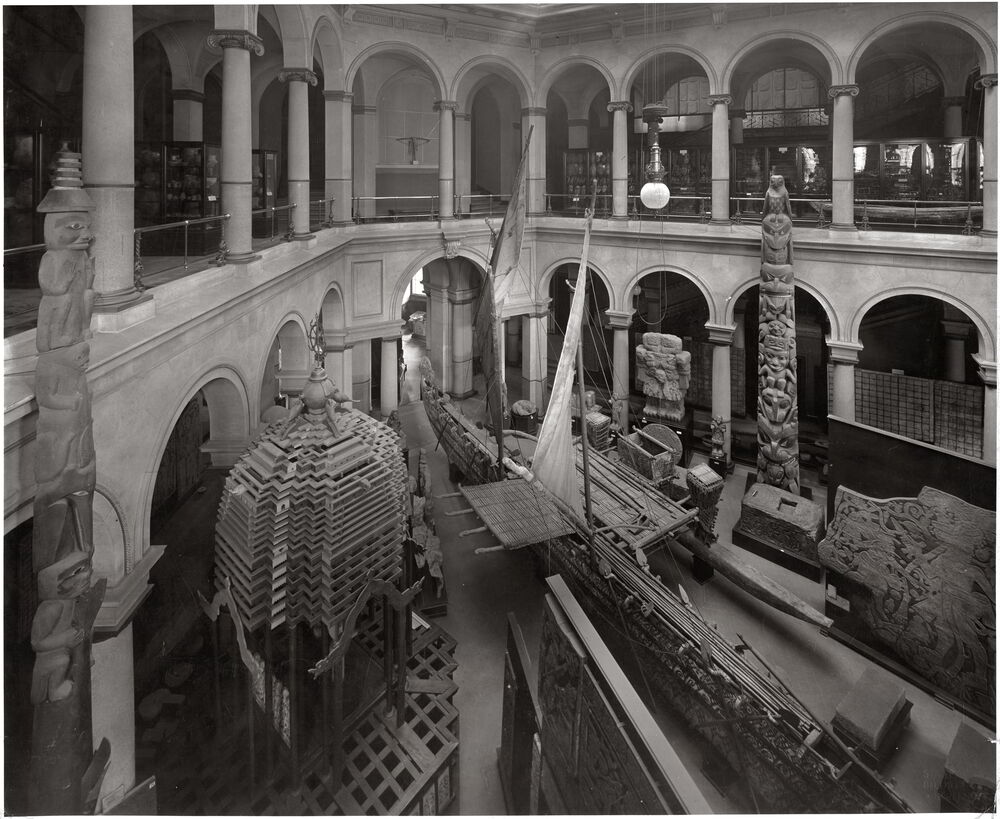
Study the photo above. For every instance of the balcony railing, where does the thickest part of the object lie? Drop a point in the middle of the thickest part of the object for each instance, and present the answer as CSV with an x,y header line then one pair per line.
x,y
169,238
468,205
805,211
394,208
275,222
320,213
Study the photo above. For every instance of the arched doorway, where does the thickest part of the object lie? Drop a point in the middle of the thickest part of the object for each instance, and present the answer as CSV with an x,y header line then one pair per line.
x,y
597,338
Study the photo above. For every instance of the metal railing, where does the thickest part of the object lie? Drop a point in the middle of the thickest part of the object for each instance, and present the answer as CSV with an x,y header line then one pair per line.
x,y
219,254
573,204
394,208
269,218
320,213
748,209
919,214
468,205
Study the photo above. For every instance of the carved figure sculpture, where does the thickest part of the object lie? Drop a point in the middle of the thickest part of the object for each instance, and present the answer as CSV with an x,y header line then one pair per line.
x,y
718,427
66,276
667,367
777,401
55,630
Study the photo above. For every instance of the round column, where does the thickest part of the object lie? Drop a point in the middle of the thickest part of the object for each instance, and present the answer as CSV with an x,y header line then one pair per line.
x,y
721,339
463,162
535,357
109,152
462,311
619,322
842,183
843,355
619,158
237,159
952,116
446,158
338,147
361,374
298,80
335,356
189,108
389,382
512,340
720,158
438,329
988,83
535,182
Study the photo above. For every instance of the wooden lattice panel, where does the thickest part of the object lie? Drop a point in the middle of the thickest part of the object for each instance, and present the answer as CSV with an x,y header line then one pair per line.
x,y
307,517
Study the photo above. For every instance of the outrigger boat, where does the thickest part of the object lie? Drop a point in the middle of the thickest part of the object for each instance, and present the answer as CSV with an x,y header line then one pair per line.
x,y
594,522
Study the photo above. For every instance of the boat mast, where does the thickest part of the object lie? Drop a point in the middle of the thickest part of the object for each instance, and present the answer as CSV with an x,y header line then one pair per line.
x,y
580,386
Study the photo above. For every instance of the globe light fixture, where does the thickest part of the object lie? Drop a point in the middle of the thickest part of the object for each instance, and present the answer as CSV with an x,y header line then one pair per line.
x,y
654,194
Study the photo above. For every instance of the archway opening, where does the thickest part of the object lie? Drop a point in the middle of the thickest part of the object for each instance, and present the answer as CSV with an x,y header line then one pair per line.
x,y
286,368
597,338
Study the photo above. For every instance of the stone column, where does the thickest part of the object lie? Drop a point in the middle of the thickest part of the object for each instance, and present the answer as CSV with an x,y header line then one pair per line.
x,y
988,82
236,176
298,147
619,321
348,378
535,355
446,158
188,114
844,357
334,345
463,161
439,333
535,182
365,157
842,182
721,339
736,116
339,142
956,331
113,710
463,304
361,374
109,161
389,382
988,372
619,158
720,158
952,116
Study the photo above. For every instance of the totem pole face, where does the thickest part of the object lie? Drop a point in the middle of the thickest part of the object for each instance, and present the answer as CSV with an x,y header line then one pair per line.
x,y
66,578
68,231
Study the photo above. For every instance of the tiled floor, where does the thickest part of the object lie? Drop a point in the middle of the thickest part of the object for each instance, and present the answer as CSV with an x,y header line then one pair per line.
x,y
482,588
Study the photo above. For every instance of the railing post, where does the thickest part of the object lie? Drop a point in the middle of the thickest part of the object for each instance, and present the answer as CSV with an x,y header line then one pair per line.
x,y
737,218
290,233
186,223
864,216
968,229
220,257
137,265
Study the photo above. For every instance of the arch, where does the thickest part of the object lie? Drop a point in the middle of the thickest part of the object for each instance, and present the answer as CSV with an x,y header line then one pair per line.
x,y
292,337
985,44
468,79
293,33
821,46
408,272
113,548
398,47
816,293
228,402
329,52
659,50
986,339
333,310
671,268
561,67
545,280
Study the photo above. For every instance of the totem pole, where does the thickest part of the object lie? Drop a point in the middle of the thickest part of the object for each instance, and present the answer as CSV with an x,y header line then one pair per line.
x,y
66,773
777,403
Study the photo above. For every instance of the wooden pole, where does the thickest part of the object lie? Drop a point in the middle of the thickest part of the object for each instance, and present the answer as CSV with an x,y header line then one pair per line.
x,y
325,689
216,678
251,749
337,763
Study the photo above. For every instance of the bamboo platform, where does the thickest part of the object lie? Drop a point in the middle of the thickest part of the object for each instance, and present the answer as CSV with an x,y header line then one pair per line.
x,y
515,513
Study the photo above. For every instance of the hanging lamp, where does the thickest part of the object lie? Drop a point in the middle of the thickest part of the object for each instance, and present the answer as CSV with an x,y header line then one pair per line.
x,y
654,194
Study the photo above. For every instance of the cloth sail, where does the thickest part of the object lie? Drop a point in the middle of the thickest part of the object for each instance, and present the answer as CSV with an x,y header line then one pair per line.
x,y
488,326
554,463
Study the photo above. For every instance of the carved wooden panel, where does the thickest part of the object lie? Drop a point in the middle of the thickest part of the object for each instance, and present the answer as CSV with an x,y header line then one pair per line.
x,y
519,724
367,280
560,676
926,568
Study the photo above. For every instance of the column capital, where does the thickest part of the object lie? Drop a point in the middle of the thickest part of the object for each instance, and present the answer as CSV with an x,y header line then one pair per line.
x,y
835,91
539,310
236,38
619,105
392,339
986,81
843,352
720,335
187,95
338,96
720,99
445,105
534,112
363,109
619,319
987,370
297,75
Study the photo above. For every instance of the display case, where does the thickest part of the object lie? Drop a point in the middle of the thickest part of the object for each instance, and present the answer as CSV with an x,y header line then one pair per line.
x,y
582,170
688,174
265,185
930,171
178,181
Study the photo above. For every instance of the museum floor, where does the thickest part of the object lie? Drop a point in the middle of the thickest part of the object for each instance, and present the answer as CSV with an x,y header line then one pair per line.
x,y
481,590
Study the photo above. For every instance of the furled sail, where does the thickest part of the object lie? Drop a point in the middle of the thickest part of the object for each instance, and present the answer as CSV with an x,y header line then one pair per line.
x,y
503,261
554,463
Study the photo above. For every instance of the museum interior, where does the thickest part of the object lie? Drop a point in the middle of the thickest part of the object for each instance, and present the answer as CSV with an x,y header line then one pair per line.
x,y
500,408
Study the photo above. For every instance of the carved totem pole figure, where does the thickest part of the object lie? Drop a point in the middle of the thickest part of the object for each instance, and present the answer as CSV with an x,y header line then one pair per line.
x,y
62,757
667,369
777,402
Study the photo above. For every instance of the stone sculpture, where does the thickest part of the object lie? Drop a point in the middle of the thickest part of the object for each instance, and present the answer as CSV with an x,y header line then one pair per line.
x,y
777,403
920,574
667,369
65,774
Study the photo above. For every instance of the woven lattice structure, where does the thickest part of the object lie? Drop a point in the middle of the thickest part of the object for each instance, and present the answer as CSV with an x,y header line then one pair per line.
x,y
314,509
